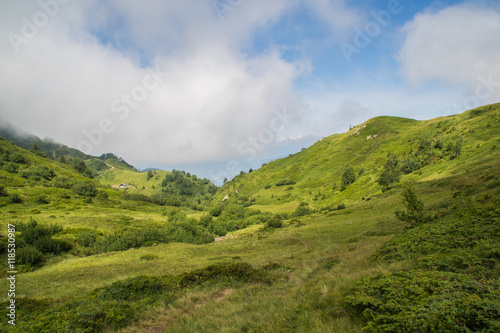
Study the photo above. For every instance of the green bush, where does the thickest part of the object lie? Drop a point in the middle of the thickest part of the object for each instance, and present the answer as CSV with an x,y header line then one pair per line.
x,y
348,177
302,210
15,199
86,189
102,195
42,199
137,288
47,244
420,301
415,212
39,173
63,182
274,223
28,255
3,191
18,158
86,238
233,272
285,182
391,173
11,167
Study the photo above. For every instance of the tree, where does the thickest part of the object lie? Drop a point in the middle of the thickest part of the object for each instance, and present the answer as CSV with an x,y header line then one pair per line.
x,y
391,173
415,211
149,175
457,148
348,177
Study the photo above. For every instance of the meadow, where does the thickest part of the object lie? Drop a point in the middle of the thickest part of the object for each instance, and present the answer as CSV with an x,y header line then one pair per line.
x,y
297,247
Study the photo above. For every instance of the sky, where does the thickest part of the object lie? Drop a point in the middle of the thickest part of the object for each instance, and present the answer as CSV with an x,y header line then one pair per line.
x,y
218,86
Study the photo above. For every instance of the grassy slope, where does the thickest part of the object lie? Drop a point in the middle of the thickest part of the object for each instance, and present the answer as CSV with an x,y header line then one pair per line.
x,y
317,169
324,253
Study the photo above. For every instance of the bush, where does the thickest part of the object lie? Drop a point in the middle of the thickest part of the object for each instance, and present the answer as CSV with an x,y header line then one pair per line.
x,y
11,167
234,272
86,238
63,182
274,223
15,199
103,195
47,244
86,189
137,288
285,182
302,210
28,255
42,199
418,301
415,212
348,177
39,173
32,231
18,158
3,191
390,173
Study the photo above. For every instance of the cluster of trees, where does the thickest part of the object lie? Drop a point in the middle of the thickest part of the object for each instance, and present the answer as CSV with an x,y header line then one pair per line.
x,y
184,186
182,231
106,156
77,164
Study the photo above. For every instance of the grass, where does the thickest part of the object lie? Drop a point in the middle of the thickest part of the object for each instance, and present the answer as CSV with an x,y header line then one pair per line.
x,y
317,257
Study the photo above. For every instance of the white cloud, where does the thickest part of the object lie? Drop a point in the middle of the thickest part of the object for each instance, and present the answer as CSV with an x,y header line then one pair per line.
x,y
336,14
456,45
65,79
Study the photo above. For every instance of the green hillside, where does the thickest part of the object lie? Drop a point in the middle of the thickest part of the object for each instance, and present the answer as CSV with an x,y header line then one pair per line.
x,y
307,243
425,151
46,146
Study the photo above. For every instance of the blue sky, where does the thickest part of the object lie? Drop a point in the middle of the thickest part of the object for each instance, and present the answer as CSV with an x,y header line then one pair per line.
x,y
218,86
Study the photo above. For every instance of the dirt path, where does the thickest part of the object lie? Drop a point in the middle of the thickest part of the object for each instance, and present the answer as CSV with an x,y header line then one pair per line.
x,y
111,168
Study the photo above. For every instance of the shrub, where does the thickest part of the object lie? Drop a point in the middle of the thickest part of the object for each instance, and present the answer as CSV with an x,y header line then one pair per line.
x,y
28,255
11,167
102,195
42,199
302,210
18,158
415,212
63,182
136,288
47,244
86,238
390,173
418,301
3,191
86,189
348,177
38,173
284,182
33,231
234,272
15,199
274,223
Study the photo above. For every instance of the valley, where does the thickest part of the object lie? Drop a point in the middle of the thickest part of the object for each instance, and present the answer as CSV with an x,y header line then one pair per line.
x,y
306,243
